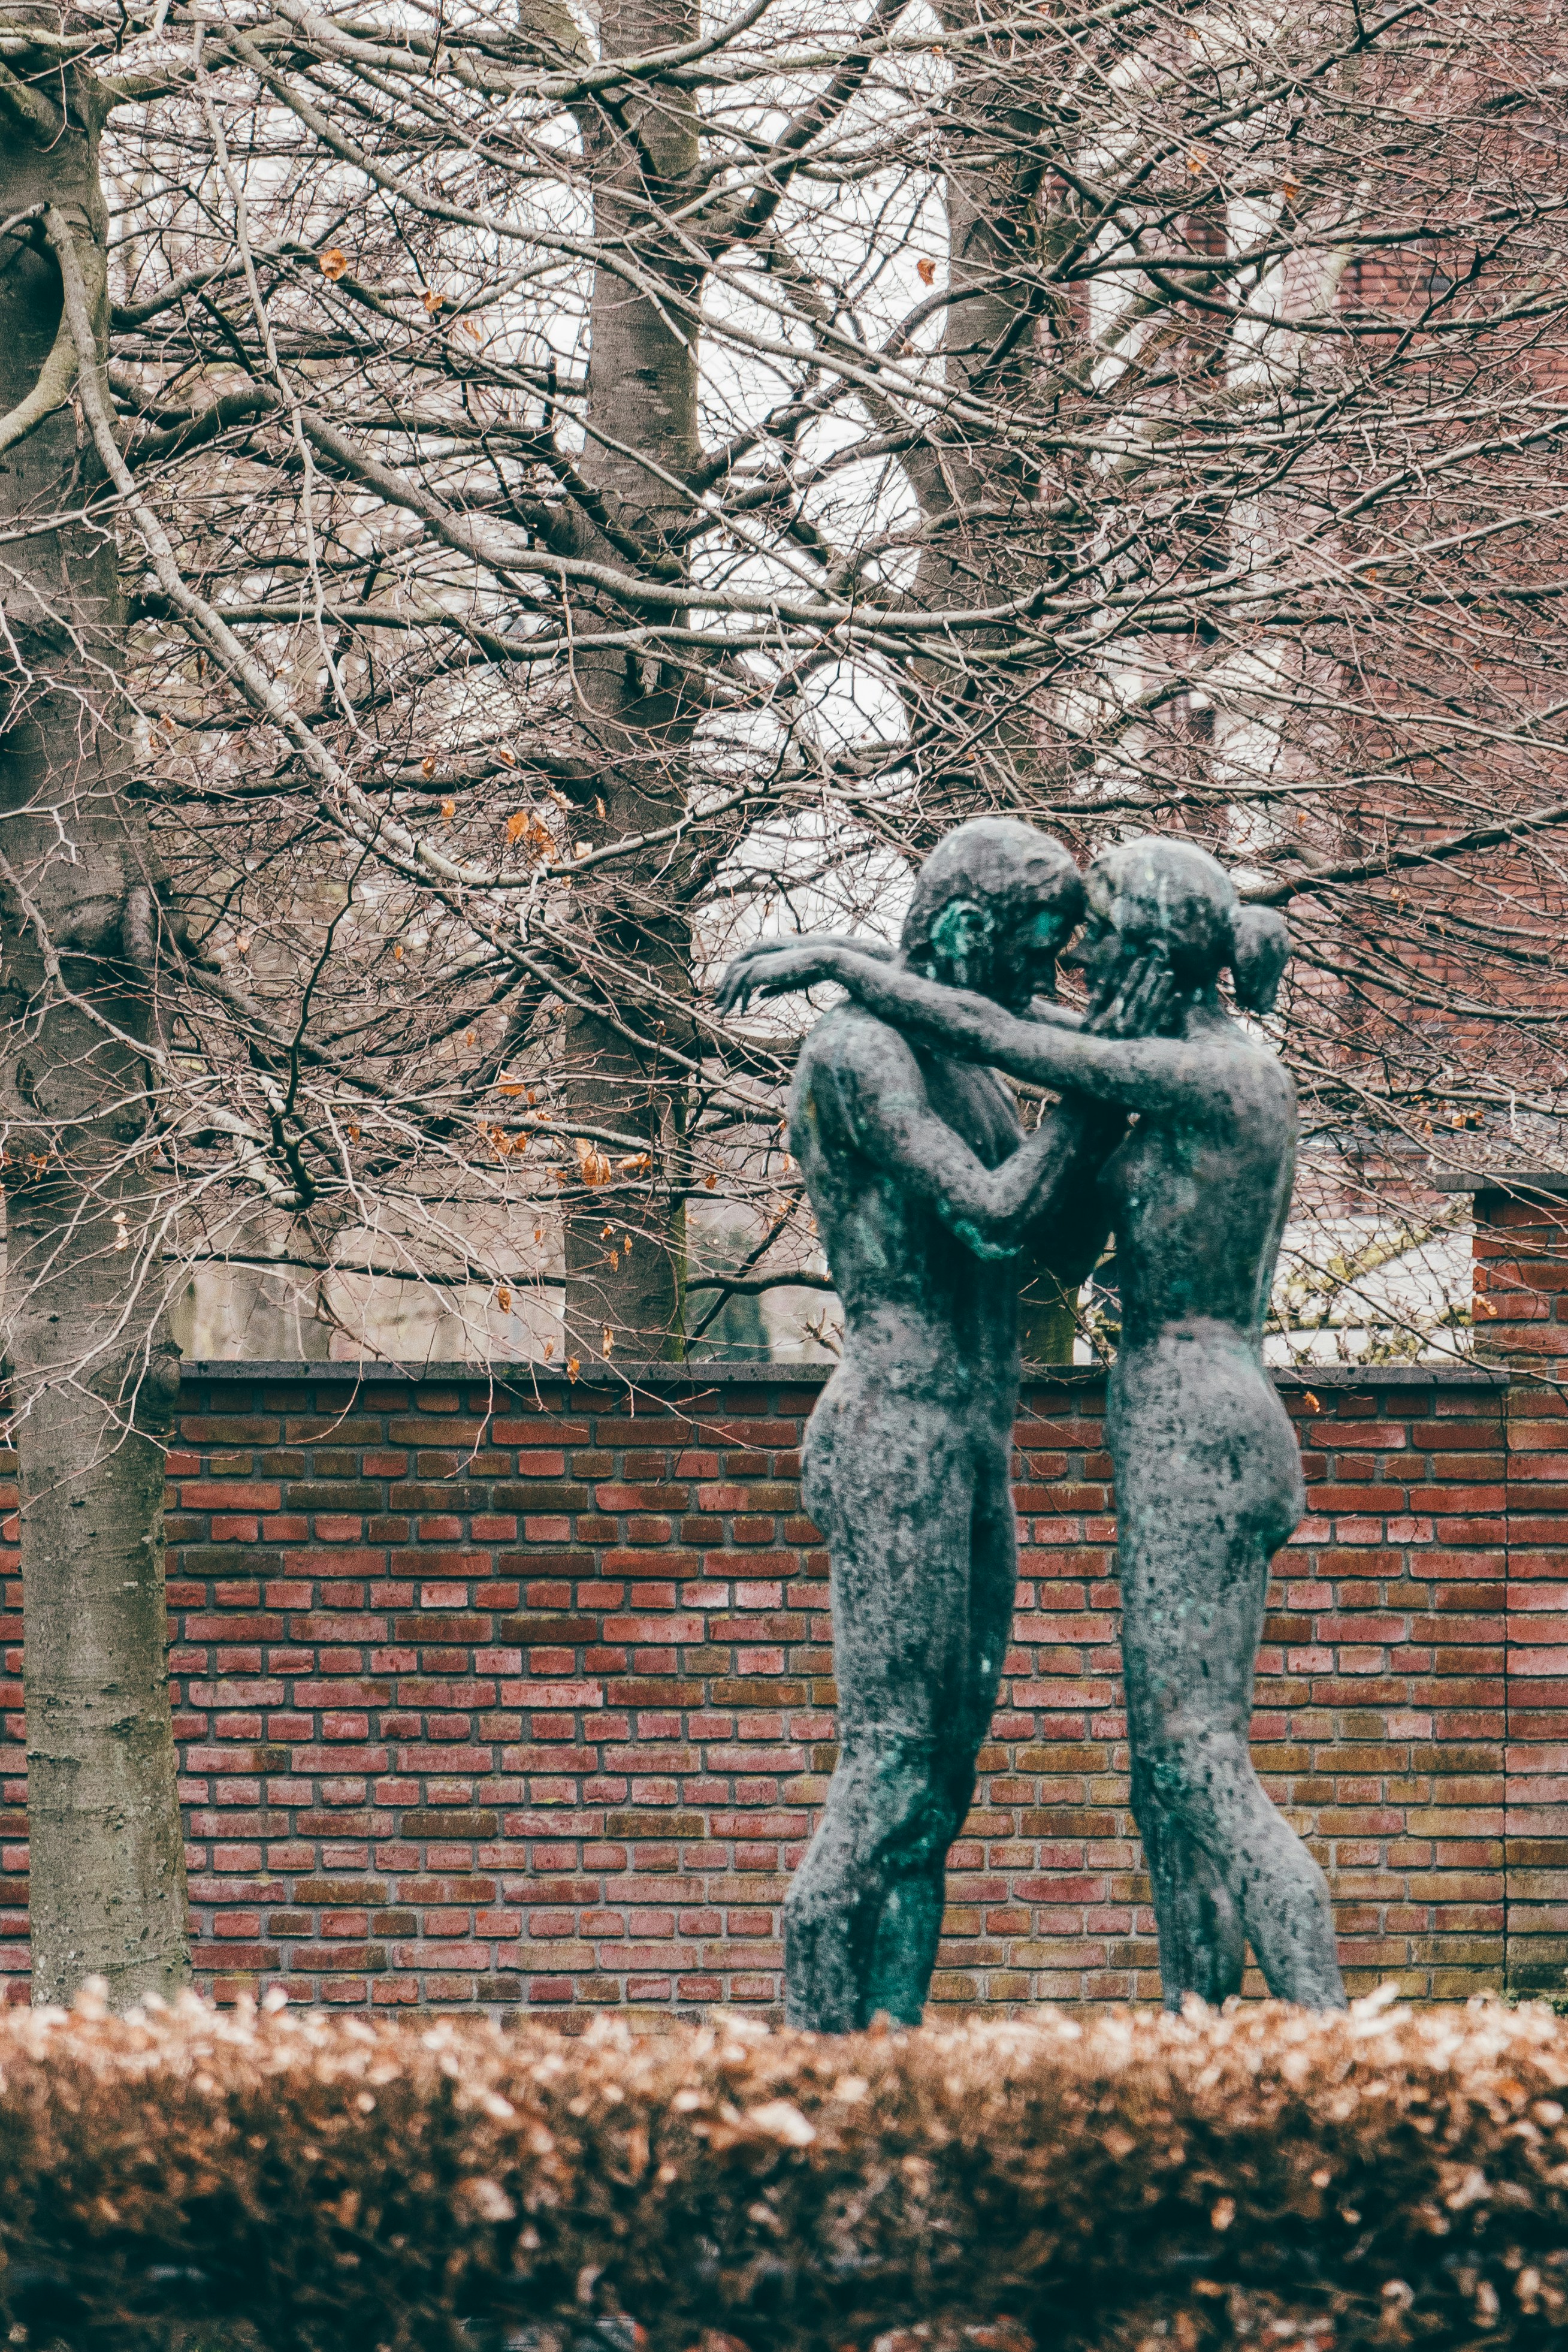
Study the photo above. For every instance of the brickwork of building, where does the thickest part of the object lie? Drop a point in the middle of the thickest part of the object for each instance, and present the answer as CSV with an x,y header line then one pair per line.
x,y
496,1696
1520,1301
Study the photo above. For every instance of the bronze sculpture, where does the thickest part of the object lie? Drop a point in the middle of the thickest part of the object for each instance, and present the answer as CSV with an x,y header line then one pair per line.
x,y
925,1192
1208,1470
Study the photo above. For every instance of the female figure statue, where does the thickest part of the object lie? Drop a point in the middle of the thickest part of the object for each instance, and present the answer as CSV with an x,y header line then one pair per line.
x,y
1208,1480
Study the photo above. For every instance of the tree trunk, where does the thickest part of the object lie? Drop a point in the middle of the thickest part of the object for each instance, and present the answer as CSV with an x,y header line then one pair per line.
x,y
973,493
625,1264
92,1373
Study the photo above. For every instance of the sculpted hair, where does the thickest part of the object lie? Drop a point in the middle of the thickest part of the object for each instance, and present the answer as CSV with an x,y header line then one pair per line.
x,y
1153,888
986,877
1259,952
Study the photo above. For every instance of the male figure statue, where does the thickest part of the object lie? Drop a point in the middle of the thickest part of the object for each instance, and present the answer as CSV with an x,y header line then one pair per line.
x,y
926,1192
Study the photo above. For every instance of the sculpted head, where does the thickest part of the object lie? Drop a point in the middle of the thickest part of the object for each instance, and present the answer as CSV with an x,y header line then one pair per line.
x,y
1159,892
994,905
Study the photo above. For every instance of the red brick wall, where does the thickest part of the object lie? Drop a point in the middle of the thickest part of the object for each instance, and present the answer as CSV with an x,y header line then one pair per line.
x,y
1520,1296
1520,1284
490,1696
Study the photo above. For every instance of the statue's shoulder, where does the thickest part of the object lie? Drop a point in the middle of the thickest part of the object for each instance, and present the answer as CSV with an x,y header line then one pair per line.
x,y
1274,1076
848,1038
1260,1080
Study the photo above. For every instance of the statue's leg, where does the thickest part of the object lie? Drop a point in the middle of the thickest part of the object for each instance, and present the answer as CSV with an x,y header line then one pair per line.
x,y
1203,1501
993,1592
892,1489
1208,1785
1203,1946
910,1924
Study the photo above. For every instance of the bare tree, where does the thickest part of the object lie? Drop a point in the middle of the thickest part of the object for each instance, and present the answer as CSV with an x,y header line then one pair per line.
x,y
591,489
91,1367
636,480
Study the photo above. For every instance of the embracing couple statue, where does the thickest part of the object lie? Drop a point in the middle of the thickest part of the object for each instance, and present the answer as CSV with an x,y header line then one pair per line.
x,y
1177,1126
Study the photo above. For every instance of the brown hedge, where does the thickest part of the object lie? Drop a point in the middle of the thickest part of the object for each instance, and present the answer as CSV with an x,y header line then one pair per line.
x,y
1136,2181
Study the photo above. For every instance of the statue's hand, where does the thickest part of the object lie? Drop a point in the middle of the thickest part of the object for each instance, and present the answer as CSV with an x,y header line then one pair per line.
x,y
769,970
1141,1002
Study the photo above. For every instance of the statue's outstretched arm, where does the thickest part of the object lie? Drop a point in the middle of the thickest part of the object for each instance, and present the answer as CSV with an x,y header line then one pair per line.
x,y
854,942
1139,1072
734,988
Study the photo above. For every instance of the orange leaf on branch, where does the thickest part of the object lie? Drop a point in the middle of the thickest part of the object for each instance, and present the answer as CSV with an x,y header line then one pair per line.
x,y
531,830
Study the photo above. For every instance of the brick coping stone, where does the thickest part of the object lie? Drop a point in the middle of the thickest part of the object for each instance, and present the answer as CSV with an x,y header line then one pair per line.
x,y
775,1372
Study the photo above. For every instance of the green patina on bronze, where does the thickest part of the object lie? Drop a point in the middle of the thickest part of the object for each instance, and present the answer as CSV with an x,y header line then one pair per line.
x,y
1177,1127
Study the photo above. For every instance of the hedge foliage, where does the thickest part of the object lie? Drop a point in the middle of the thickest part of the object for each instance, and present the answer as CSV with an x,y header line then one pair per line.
x,y
1138,2182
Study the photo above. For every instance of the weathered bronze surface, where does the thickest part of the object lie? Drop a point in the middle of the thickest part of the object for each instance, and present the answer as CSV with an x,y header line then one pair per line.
x,y
923,1187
